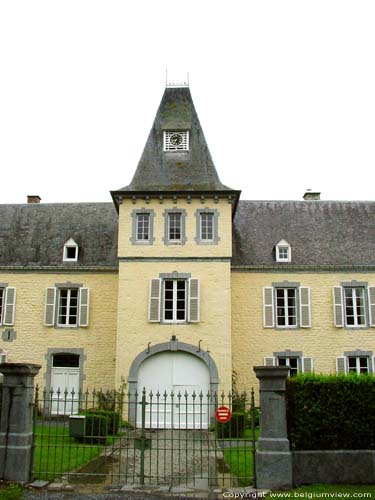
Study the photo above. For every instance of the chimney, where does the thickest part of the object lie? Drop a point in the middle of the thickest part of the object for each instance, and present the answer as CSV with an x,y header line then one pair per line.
x,y
311,195
33,198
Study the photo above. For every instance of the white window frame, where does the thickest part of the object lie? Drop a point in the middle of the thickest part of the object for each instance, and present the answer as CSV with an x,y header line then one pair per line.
x,y
171,147
170,215
70,244
174,299
282,245
287,363
358,364
148,216
68,315
354,297
286,307
212,216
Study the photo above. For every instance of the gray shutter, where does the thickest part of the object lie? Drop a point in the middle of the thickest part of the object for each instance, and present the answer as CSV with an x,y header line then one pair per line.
x,y
194,299
154,300
341,365
268,316
338,309
10,306
304,307
4,357
49,312
269,361
84,306
307,365
371,303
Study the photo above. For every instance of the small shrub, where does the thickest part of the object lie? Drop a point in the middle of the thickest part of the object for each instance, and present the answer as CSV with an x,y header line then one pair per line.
x,y
113,419
96,428
249,416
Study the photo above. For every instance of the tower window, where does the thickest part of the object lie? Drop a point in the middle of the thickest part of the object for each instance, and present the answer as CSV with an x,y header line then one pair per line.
x,y
174,229
143,227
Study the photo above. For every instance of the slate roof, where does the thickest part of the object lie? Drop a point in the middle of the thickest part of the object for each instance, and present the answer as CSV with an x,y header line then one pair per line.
x,y
320,232
191,170
328,233
34,234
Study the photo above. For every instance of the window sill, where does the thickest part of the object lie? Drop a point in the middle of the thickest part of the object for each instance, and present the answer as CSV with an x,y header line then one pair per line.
x,y
67,327
174,323
142,242
296,327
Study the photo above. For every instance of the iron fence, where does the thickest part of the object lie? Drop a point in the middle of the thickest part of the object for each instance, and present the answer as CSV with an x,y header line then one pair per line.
x,y
162,438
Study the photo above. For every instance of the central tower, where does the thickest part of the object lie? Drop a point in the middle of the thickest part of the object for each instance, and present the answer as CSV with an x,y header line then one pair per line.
x,y
174,250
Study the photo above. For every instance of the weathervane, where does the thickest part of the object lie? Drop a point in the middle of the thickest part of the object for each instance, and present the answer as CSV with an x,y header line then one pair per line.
x,y
169,84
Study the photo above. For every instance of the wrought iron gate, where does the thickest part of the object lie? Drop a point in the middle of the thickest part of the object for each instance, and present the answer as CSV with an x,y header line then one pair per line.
x,y
93,437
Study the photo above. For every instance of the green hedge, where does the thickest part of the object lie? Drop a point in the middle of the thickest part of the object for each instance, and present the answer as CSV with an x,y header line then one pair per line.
x,y
328,412
113,419
96,427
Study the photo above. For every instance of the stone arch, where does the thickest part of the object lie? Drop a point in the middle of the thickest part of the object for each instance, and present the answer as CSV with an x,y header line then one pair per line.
x,y
173,346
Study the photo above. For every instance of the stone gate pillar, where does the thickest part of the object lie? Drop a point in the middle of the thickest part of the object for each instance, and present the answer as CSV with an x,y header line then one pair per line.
x,y
16,424
273,456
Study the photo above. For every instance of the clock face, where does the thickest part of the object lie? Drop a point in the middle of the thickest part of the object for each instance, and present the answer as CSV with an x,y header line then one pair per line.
x,y
176,139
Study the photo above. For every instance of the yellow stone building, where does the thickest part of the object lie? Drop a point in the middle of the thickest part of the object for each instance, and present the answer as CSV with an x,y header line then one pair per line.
x,y
178,285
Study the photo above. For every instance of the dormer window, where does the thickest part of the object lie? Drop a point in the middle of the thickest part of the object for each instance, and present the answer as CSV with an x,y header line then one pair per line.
x,y
70,251
176,140
283,252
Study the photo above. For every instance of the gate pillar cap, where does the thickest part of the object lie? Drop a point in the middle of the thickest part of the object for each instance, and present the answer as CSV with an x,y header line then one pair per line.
x,y
272,378
19,368
271,372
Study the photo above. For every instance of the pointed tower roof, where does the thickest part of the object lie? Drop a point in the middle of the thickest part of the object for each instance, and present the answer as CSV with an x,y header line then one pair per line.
x,y
191,170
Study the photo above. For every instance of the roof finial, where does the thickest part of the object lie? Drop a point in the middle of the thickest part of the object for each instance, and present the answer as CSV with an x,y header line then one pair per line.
x,y
176,83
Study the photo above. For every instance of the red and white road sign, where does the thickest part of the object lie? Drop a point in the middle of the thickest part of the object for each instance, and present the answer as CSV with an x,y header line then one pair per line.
x,y
223,414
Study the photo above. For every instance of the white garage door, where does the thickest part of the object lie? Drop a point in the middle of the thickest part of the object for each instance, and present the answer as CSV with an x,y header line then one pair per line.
x,y
177,373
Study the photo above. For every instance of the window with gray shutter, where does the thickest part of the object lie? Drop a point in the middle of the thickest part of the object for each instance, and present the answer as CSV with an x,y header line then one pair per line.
x,y
2,300
84,305
305,308
194,308
268,313
67,307
341,365
371,302
338,310
49,311
307,365
154,300
4,357
269,361
9,306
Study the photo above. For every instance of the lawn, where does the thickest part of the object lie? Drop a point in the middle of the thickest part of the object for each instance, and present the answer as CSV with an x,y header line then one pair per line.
x,y
11,492
57,453
240,459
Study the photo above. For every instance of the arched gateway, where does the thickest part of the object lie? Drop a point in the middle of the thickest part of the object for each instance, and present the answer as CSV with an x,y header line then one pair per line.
x,y
180,381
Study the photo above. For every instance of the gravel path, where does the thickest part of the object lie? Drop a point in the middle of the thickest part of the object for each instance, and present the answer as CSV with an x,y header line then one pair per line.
x,y
176,456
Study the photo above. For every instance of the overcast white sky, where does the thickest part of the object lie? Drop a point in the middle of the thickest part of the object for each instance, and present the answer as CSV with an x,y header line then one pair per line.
x,y
285,92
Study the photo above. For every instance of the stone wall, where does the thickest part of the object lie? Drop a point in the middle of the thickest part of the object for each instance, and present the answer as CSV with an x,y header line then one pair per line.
x,y
341,466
